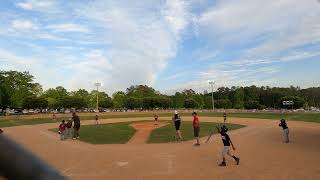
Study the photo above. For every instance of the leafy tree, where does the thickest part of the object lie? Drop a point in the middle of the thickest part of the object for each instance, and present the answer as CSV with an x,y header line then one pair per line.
x,y
178,100
164,102
141,91
190,103
53,103
134,103
252,104
119,99
222,104
33,102
188,93
82,93
104,100
199,99
17,89
207,102
73,102
15,86
312,96
238,98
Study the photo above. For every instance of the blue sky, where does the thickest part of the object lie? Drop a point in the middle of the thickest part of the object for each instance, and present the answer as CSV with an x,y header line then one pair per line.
x,y
170,45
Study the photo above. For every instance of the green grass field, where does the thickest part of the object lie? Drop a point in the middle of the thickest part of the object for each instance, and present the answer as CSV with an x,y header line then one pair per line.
x,y
308,117
166,134
113,133
120,133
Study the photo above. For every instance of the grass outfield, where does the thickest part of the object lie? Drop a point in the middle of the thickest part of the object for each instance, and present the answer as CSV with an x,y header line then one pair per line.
x,y
166,134
112,133
308,117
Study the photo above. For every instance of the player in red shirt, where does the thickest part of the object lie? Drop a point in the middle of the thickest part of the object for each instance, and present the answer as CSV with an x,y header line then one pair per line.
x,y
196,128
62,130
69,129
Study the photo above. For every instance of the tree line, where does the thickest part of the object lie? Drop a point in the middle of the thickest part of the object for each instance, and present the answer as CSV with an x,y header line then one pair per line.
x,y
18,90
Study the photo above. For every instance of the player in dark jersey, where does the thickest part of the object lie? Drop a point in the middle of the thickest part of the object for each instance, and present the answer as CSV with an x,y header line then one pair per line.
x,y
76,126
97,119
285,128
226,145
177,122
1,131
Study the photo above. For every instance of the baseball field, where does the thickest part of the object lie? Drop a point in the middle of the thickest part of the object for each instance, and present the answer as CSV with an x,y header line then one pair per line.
x,y
132,146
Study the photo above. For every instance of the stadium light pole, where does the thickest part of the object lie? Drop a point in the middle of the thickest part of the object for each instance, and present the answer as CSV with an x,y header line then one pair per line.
x,y
97,84
212,83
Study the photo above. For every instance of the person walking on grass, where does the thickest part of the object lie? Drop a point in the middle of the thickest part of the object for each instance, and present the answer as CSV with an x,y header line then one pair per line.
x,y
196,127
285,128
177,122
224,117
62,130
76,126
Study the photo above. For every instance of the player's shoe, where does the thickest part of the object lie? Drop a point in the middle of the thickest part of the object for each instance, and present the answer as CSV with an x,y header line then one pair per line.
x,y
223,164
74,138
78,137
197,144
238,161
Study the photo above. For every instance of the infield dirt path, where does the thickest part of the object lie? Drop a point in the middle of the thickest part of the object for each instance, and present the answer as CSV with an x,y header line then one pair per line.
x,y
263,155
143,131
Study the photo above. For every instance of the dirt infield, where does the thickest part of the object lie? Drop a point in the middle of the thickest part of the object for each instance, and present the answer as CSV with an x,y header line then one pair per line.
x,y
143,131
259,145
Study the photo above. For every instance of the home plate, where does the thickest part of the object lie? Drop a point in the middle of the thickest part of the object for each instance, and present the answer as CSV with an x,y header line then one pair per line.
x,y
122,163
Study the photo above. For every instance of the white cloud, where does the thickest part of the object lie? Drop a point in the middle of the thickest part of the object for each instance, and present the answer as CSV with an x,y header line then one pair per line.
x,y
142,39
35,4
277,25
48,37
227,77
294,56
68,27
23,24
131,42
259,34
176,13
9,57
45,75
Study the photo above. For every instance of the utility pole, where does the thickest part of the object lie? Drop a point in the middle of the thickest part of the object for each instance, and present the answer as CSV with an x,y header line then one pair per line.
x,y
212,83
97,84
